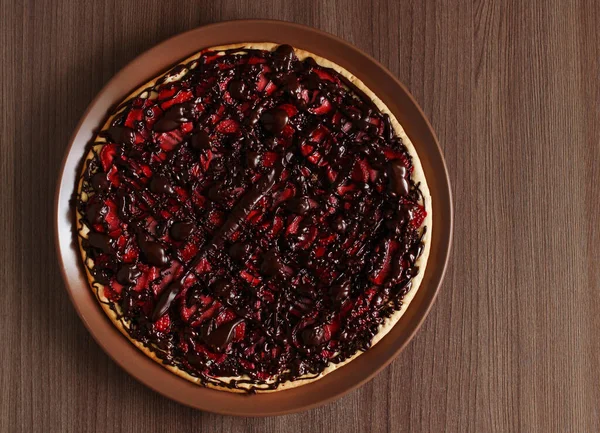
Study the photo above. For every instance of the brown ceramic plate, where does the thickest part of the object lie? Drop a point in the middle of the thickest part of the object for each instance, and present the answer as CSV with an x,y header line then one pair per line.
x,y
357,372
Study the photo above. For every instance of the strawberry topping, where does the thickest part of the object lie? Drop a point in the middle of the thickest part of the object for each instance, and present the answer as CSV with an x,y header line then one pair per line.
x,y
252,215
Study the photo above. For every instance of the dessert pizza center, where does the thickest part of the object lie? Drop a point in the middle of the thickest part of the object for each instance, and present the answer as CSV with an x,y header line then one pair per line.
x,y
251,216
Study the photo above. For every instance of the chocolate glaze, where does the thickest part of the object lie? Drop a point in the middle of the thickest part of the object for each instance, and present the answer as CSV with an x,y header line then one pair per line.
x,y
274,121
174,116
161,185
120,134
128,274
237,89
269,209
100,241
200,140
398,179
100,182
181,230
219,338
154,253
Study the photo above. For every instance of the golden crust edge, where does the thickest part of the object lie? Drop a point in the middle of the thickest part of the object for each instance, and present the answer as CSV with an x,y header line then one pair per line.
x,y
417,175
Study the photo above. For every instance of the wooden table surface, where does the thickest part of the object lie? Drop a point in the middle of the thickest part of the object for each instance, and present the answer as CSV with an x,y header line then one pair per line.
x,y
512,89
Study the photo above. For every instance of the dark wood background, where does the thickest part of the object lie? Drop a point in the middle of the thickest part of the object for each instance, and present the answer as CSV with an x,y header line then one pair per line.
x,y
512,89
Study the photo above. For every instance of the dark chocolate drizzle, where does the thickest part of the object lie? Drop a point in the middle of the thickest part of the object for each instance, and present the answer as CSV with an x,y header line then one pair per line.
x,y
258,218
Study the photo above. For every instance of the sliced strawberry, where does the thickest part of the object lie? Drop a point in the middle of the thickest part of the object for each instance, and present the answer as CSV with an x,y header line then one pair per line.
x,y
319,134
215,217
107,154
205,159
270,88
228,126
253,280
327,353
249,366
254,214
169,140
223,83
225,66
269,158
343,189
159,156
331,174
113,176
306,149
163,324
203,266
167,92
286,134
337,118
322,109
131,252
360,172
201,89
189,281
293,225
393,155
165,214
224,316
210,58
384,263
205,300
307,239
267,296
189,251
140,168
216,117
141,282
217,358
166,278
261,375
418,214
262,82
195,171
183,95
209,312
116,287
329,329
182,193
290,109
254,60
99,228
151,114
276,227
112,219
324,75
186,312
186,127
320,251
286,194
377,123
121,241
328,239
134,116
150,223
315,158
240,332
198,199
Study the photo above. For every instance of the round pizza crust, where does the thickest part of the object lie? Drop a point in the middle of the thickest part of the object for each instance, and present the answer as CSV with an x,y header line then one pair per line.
x,y
418,177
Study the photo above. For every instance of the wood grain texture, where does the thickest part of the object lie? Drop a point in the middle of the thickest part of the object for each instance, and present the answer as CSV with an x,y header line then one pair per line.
x,y
512,89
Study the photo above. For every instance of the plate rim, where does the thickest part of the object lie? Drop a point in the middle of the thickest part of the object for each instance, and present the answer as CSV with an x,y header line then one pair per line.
x,y
433,290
